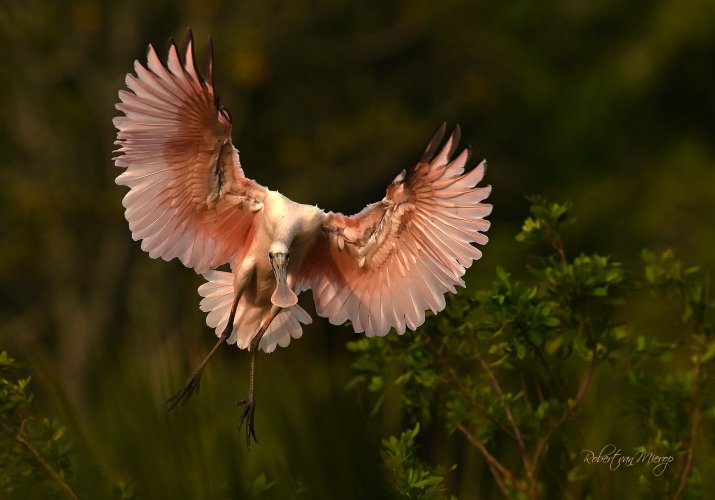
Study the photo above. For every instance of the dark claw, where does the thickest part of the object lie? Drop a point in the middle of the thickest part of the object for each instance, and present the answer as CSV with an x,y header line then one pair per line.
x,y
248,411
193,384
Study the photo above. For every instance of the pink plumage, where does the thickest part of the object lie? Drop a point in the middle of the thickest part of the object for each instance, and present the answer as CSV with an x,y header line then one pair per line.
x,y
189,199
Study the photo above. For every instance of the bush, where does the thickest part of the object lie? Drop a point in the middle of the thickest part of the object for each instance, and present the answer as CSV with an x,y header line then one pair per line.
x,y
35,458
511,370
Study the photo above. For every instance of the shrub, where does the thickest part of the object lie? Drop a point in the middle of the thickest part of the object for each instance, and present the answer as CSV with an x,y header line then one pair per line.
x,y
36,456
510,369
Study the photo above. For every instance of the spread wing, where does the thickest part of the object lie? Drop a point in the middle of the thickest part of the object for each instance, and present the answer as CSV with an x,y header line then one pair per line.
x,y
188,196
384,267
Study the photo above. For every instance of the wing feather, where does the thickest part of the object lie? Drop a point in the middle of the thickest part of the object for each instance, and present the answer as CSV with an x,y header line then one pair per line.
x,y
188,196
384,267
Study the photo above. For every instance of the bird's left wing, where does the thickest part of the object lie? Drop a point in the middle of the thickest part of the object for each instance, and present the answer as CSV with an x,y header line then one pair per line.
x,y
188,195
384,267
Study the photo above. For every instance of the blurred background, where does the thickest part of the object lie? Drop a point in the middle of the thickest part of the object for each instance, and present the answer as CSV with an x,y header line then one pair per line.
x,y
608,104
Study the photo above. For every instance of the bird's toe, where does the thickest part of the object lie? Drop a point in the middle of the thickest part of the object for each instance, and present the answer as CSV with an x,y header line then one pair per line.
x,y
249,410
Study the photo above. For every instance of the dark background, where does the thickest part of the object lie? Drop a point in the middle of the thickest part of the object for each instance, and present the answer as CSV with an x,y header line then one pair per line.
x,y
608,104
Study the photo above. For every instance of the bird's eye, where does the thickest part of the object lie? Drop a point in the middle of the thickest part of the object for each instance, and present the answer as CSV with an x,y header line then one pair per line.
x,y
270,255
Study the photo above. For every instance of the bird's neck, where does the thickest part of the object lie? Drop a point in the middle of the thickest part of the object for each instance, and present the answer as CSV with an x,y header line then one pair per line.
x,y
285,234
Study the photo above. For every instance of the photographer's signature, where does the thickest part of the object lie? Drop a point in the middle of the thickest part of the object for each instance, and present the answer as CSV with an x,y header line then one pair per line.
x,y
614,457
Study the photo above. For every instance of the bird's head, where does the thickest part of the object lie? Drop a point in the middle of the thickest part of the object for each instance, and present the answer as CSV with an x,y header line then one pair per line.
x,y
279,255
277,248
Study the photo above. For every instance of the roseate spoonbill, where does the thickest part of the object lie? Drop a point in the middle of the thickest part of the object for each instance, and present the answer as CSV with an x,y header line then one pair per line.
x,y
381,268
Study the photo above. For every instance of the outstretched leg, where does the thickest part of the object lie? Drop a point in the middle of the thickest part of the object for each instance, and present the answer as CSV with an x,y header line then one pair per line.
x,y
250,402
194,380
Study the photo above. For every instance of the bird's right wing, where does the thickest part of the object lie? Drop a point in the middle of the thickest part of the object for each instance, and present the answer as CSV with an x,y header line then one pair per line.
x,y
382,268
188,195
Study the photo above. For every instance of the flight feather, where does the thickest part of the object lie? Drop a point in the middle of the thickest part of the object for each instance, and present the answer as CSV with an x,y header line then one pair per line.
x,y
385,266
188,196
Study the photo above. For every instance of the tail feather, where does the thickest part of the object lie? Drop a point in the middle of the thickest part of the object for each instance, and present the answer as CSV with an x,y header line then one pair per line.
x,y
217,295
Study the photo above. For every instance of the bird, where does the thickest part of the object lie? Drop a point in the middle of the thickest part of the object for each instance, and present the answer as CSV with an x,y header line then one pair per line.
x,y
189,199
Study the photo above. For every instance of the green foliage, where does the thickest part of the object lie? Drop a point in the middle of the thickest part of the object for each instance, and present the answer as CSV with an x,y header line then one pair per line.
x,y
510,368
35,457
546,222
408,475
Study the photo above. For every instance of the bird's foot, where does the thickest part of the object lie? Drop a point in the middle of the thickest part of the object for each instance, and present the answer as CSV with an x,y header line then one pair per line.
x,y
192,385
248,411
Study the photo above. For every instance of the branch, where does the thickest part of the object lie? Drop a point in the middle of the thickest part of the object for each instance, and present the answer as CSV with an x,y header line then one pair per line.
x,y
560,388
498,479
458,383
554,241
31,448
507,408
517,433
494,464
693,431
568,412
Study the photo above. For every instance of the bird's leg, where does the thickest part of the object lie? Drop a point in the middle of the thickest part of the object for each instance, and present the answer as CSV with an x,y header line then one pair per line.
x,y
250,402
194,380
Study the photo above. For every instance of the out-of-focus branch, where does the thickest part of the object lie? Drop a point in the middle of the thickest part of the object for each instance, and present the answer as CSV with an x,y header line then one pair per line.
x,y
694,429
35,453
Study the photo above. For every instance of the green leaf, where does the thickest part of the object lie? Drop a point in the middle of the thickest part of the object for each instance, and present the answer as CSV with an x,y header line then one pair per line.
x,y
58,433
535,337
709,353
260,485
551,321
376,384
405,377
